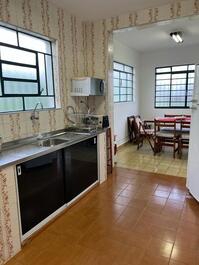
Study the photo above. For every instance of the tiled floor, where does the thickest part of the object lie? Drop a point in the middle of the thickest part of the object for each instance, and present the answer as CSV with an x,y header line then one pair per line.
x,y
135,218
143,159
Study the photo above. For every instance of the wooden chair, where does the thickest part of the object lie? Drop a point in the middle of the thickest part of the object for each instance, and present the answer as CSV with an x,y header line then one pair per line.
x,y
131,129
166,135
140,130
184,136
177,115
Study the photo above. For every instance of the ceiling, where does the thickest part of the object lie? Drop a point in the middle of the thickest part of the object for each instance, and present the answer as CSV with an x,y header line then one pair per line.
x,y
99,9
156,36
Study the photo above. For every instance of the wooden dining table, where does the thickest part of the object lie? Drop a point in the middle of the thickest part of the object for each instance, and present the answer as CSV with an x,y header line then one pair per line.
x,y
178,120
172,131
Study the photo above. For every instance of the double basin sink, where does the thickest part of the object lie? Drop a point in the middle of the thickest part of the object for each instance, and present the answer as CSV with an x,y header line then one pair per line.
x,y
50,142
58,139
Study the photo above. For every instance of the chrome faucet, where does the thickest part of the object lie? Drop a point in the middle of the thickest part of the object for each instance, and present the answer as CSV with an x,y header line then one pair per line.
x,y
87,106
67,113
33,114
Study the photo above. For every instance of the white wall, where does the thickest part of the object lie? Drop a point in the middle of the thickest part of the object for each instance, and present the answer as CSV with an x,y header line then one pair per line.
x,y
124,54
148,62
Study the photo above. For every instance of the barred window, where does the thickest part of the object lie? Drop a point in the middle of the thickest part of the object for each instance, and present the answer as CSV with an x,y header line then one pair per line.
x,y
26,71
122,82
174,86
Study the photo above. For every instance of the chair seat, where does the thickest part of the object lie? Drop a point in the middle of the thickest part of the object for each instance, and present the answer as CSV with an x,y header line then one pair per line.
x,y
185,136
163,134
147,131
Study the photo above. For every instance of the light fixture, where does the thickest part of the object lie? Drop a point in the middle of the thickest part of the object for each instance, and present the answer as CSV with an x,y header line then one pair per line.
x,y
177,36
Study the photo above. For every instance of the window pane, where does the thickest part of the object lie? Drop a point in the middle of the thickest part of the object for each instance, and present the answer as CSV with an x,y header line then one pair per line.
x,y
162,104
191,81
163,76
11,104
128,69
17,56
116,74
179,76
27,76
8,36
123,97
30,102
129,91
163,70
116,90
116,98
129,84
34,43
163,93
179,68
116,82
13,87
190,92
189,98
177,104
118,66
129,76
179,82
130,98
192,67
14,71
176,99
162,88
179,93
49,75
191,75
160,99
123,76
42,74
124,84
123,90
0,88
163,82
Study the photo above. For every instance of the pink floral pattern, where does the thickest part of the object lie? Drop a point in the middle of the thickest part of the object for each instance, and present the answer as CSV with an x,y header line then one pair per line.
x,y
6,225
2,254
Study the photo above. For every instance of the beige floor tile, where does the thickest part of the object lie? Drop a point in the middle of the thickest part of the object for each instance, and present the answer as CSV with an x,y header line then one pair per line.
x,y
143,159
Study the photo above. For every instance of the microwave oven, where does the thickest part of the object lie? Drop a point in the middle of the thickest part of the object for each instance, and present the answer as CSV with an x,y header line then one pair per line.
x,y
87,86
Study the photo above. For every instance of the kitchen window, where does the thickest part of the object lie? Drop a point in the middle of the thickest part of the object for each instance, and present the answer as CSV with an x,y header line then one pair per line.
x,y
174,86
122,82
26,71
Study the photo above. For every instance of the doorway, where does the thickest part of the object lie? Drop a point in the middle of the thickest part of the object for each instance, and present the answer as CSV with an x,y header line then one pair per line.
x,y
148,51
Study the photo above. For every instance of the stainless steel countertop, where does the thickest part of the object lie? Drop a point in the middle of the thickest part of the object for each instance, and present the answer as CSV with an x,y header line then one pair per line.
x,y
17,152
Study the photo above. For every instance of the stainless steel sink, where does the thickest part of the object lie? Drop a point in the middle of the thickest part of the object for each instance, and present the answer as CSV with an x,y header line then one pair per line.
x,y
50,142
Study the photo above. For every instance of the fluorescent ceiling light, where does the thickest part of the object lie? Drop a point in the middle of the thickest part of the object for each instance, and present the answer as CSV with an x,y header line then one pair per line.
x,y
177,37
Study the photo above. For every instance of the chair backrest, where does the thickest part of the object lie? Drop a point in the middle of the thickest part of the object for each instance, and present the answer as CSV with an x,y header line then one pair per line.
x,y
185,126
130,120
172,115
134,124
139,123
177,115
165,126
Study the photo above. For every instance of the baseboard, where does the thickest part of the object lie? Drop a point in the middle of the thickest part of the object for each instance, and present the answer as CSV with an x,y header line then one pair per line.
x,y
122,145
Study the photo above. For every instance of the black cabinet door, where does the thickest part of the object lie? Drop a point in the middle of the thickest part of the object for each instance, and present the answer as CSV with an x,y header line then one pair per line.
x,y
80,167
41,188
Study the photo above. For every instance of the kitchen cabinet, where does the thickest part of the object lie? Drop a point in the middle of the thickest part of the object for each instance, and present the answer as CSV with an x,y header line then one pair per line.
x,y
47,183
40,188
80,167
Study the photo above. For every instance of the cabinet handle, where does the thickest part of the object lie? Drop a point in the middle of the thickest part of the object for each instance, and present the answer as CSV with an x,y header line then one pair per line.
x,y
19,170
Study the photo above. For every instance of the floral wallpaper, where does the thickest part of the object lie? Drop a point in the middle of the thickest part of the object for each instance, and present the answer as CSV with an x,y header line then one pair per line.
x,y
9,224
42,17
98,58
